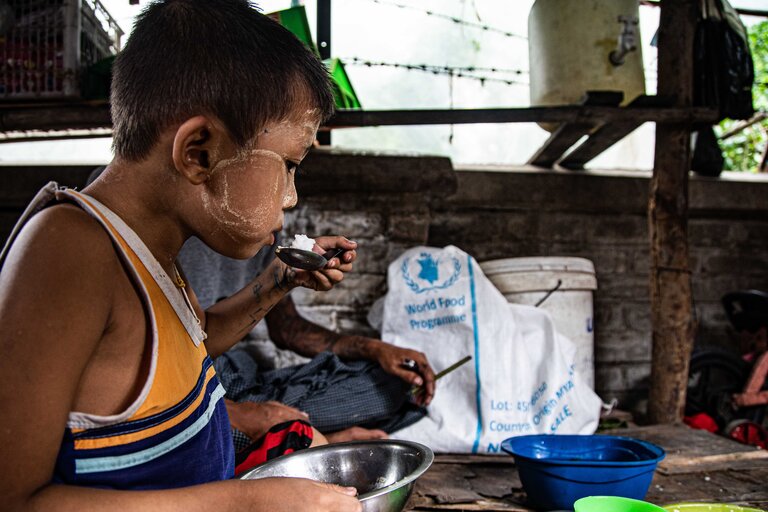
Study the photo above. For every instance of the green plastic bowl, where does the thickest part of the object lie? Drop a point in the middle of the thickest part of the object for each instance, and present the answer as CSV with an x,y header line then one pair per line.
x,y
708,507
614,504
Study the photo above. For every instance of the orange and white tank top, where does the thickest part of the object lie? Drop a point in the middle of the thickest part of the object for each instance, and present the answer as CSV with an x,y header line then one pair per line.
x,y
176,432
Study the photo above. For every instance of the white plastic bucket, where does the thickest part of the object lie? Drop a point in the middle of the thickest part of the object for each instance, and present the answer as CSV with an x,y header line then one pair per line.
x,y
565,286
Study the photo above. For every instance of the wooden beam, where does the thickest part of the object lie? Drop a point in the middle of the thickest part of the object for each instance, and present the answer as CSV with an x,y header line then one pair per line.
x,y
670,276
610,133
34,136
15,117
557,114
54,117
568,134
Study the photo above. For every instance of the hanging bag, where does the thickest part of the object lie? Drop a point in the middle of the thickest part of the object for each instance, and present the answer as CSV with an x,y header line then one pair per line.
x,y
722,64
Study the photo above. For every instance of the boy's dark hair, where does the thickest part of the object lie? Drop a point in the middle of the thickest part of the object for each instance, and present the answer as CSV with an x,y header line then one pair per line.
x,y
214,57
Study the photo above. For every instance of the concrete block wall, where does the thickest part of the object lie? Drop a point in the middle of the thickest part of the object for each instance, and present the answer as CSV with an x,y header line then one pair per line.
x,y
389,203
381,201
602,216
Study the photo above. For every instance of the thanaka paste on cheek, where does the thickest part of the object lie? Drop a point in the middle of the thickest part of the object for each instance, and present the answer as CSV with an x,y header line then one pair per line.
x,y
245,193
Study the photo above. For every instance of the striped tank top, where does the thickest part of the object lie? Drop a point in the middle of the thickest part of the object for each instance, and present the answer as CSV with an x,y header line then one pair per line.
x,y
176,433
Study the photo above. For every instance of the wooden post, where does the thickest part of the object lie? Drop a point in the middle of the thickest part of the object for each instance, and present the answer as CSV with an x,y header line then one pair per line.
x,y
670,279
324,47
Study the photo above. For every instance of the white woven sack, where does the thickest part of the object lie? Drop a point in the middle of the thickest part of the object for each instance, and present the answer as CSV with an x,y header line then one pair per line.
x,y
521,378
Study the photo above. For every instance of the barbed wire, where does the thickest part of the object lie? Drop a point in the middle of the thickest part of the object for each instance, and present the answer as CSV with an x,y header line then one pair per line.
x,y
429,67
466,72
454,19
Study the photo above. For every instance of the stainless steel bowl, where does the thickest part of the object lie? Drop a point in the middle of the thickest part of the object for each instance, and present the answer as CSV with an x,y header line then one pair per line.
x,y
383,471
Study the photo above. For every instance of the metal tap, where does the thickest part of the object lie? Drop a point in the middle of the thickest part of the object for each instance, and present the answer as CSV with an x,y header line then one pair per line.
x,y
627,41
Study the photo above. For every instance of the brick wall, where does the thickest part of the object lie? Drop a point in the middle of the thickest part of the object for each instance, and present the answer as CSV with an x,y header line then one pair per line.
x,y
602,217
392,202
384,203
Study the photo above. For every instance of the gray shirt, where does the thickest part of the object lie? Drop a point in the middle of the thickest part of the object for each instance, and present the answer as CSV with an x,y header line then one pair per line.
x,y
214,277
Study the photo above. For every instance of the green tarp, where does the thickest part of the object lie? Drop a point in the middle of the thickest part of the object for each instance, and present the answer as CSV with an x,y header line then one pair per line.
x,y
295,20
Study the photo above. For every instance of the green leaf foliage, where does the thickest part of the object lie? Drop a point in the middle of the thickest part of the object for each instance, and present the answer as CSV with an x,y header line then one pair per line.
x,y
743,152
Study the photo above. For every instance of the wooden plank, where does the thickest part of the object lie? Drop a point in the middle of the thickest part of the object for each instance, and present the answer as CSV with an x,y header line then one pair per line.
x,y
447,483
54,117
471,486
730,461
14,117
670,276
482,505
496,487
460,458
557,114
701,466
559,142
681,440
747,487
567,134
690,451
609,134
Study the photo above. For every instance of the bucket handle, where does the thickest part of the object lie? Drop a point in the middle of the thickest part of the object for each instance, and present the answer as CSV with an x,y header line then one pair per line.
x,y
550,292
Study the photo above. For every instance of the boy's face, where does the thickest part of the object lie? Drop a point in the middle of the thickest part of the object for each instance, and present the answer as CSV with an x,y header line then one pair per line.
x,y
249,192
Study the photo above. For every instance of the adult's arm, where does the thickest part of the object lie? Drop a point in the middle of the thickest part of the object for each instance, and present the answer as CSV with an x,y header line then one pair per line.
x,y
289,330
56,302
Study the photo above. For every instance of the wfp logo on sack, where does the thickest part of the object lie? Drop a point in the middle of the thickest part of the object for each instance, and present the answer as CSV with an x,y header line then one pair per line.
x,y
427,273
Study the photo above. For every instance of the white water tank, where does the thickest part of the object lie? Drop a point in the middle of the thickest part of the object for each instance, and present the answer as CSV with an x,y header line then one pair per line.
x,y
564,287
569,46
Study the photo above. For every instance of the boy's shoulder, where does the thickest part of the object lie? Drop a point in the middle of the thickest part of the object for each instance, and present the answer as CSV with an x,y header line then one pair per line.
x,y
60,280
67,226
66,241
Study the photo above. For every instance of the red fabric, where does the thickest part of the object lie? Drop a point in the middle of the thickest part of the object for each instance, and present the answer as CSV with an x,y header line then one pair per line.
x,y
281,439
702,421
749,432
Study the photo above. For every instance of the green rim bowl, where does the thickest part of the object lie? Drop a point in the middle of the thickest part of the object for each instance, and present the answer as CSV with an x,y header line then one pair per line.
x,y
614,504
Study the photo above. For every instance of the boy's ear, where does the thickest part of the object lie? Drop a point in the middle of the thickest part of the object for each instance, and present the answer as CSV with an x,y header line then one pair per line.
x,y
197,144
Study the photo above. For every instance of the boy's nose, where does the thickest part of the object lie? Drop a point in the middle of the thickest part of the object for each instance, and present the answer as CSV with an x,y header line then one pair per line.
x,y
291,196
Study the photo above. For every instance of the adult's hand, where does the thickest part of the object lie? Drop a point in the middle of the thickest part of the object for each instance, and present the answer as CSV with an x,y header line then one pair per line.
x,y
333,273
393,360
254,419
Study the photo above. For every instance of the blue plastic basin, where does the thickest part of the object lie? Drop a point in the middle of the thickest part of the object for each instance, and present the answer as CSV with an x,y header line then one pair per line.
x,y
557,470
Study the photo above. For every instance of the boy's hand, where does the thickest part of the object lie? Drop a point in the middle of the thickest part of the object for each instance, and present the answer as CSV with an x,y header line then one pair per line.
x,y
355,434
333,273
292,494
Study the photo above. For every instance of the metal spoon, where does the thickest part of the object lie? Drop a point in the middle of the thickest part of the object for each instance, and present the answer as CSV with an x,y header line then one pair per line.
x,y
306,260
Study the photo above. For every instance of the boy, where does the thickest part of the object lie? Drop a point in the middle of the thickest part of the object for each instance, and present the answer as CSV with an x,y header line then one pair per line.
x,y
108,385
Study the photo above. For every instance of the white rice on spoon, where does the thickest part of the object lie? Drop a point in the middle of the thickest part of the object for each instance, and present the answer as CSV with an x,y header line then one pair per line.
x,y
303,242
